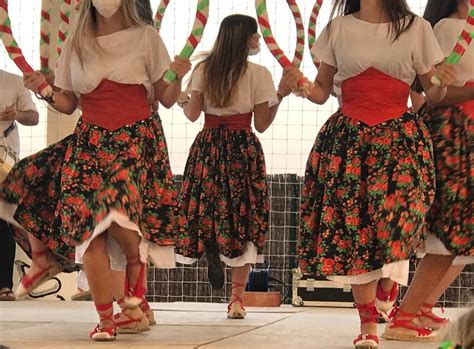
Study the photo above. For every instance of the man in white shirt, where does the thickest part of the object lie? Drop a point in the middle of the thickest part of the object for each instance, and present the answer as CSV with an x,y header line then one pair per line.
x,y
16,105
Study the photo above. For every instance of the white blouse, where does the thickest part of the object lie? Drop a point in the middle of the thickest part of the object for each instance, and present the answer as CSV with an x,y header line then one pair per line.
x,y
13,93
353,46
136,55
447,32
254,87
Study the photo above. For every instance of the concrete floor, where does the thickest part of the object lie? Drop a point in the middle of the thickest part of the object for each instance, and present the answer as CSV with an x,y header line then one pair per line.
x,y
54,324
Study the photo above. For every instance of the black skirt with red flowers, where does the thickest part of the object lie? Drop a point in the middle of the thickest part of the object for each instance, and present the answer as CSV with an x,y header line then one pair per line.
x,y
365,196
66,190
451,218
224,193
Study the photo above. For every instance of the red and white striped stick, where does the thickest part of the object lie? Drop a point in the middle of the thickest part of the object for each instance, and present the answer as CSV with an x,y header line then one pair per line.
x,y
64,24
14,51
300,34
45,35
312,30
160,12
264,24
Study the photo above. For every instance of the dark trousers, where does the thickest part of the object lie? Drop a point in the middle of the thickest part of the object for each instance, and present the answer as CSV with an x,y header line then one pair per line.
x,y
7,255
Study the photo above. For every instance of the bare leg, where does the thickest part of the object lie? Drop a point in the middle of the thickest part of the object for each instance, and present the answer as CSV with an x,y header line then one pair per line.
x,y
42,261
131,319
43,267
36,245
118,286
451,275
99,275
118,282
129,241
240,276
427,321
386,296
235,309
387,284
428,276
363,295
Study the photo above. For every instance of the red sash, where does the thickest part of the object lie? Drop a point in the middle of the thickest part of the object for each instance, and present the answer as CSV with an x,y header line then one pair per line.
x,y
232,122
374,97
113,105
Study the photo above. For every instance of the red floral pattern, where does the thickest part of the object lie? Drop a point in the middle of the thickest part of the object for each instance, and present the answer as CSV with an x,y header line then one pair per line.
x,y
365,196
451,218
64,191
224,193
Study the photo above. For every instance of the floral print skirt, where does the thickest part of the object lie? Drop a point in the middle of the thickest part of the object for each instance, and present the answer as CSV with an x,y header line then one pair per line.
x,y
451,218
224,193
65,191
366,193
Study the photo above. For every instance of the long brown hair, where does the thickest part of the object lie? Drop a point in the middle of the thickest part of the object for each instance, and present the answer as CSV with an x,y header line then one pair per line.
x,y
144,11
227,61
86,29
397,11
436,10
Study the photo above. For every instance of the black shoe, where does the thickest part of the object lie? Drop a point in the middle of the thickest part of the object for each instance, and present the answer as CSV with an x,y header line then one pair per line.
x,y
215,271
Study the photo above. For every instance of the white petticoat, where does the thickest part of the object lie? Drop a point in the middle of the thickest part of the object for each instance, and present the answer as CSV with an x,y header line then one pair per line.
x,y
397,271
433,245
250,256
7,210
160,256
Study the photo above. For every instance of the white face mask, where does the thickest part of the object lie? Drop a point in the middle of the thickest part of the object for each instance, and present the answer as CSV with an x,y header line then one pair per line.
x,y
107,8
254,51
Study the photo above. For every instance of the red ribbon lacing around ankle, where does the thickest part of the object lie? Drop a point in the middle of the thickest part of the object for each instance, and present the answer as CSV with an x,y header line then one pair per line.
x,y
429,314
236,298
385,296
110,317
368,313
139,290
407,322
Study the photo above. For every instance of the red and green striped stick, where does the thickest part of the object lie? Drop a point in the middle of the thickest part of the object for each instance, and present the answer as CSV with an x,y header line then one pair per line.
x,y
14,51
65,19
300,34
264,24
160,12
202,13
463,43
45,35
312,30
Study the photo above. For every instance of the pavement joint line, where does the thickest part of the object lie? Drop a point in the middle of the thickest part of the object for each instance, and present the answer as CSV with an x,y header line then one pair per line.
x,y
219,311
240,333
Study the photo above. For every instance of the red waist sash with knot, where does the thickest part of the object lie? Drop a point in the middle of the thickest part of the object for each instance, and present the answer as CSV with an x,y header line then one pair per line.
x,y
374,97
239,122
113,105
468,106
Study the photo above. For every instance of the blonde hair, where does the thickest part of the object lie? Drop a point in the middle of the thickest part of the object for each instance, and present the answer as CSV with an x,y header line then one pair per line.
x,y
84,34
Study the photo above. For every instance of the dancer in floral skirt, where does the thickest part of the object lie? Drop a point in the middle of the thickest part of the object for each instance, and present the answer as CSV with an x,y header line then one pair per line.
x,y
369,179
450,222
106,189
224,192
